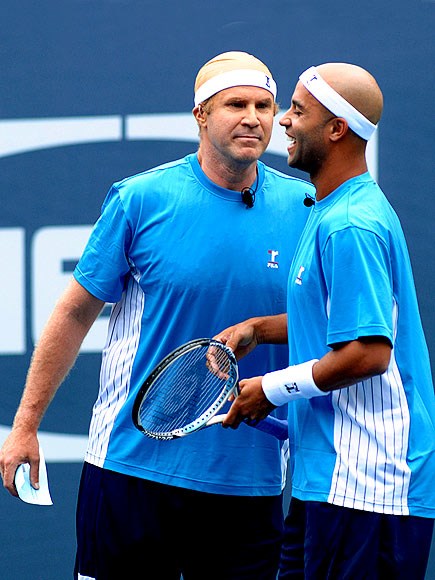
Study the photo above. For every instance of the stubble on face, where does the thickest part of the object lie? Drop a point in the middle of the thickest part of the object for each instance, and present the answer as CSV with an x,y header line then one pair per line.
x,y
307,151
239,124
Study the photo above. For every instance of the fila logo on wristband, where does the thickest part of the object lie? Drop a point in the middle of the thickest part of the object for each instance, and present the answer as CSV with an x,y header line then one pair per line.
x,y
292,388
294,382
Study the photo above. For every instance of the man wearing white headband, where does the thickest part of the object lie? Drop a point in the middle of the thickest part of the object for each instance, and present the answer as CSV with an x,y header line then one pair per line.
x,y
232,69
359,388
334,102
178,250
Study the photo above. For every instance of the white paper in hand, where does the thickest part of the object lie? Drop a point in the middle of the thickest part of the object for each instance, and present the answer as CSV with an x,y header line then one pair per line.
x,y
25,491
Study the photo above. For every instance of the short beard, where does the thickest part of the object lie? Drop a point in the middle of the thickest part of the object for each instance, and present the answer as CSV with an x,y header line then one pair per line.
x,y
311,164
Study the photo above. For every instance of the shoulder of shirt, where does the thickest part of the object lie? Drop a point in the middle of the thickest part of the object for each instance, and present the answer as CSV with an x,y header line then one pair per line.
x,y
150,173
362,206
275,173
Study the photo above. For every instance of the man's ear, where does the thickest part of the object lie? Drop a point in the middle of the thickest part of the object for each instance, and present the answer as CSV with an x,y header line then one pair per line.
x,y
199,114
339,128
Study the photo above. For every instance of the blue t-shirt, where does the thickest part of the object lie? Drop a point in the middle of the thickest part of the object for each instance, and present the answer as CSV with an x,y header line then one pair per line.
x,y
182,258
370,446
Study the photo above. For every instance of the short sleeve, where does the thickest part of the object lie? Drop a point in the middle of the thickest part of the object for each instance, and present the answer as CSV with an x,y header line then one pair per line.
x,y
356,265
104,263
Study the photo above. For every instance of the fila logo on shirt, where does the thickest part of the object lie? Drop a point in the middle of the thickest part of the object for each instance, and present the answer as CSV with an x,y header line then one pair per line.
x,y
272,263
299,276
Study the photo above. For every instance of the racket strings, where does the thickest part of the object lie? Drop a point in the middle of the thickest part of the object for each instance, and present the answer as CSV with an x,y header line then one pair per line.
x,y
188,390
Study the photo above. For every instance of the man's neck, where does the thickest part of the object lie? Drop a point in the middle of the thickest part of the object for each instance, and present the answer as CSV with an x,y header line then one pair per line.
x,y
333,174
233,176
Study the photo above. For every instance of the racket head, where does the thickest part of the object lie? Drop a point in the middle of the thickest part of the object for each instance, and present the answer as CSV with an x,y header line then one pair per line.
x,y
186,389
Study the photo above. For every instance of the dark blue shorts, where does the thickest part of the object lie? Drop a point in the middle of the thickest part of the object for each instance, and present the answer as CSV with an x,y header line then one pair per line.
x,y
323,541
132,528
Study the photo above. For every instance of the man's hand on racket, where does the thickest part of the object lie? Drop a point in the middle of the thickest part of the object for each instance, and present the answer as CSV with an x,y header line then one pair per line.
x,y
20,447
241,338
250,405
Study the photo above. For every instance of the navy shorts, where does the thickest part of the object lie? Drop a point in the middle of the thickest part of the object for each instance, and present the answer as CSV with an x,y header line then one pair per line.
x,y
324,541
132,528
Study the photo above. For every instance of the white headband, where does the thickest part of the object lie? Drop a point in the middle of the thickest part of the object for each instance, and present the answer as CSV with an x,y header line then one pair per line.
x,y
335,103
235,78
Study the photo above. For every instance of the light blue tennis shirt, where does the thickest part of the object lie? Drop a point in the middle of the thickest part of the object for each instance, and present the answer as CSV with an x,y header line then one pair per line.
x,y
182,258
370,446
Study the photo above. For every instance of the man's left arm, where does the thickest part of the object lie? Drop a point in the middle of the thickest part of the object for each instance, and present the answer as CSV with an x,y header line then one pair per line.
x,y
344,365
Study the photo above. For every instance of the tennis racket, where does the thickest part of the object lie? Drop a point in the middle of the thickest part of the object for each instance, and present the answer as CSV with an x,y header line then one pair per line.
x,y
188,388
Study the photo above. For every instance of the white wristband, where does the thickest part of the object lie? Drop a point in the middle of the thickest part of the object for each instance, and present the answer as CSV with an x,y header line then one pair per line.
x,y
295,382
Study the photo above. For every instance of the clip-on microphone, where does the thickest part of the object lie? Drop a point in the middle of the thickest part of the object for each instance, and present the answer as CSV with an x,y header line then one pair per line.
x,y
248,194
309,200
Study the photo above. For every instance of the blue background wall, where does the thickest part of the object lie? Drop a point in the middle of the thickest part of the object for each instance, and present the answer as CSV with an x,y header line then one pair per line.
x,y
107,60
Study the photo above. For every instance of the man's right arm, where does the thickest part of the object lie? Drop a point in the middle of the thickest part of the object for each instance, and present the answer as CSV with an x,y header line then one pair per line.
x,y
243,337
52,359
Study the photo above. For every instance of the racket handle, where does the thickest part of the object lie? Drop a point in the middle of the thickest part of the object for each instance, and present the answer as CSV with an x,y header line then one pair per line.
x,y
271,425
276,427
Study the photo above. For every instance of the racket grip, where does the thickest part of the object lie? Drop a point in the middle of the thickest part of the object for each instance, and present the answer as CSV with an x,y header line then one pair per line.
x,y
276,427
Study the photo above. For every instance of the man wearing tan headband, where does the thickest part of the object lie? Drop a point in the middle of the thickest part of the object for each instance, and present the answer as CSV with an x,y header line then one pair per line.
x,y
359,389
178,250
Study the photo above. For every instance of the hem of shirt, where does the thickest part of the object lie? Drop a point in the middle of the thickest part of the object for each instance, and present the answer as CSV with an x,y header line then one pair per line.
x,y
361,505
193,484
91,288
365,331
